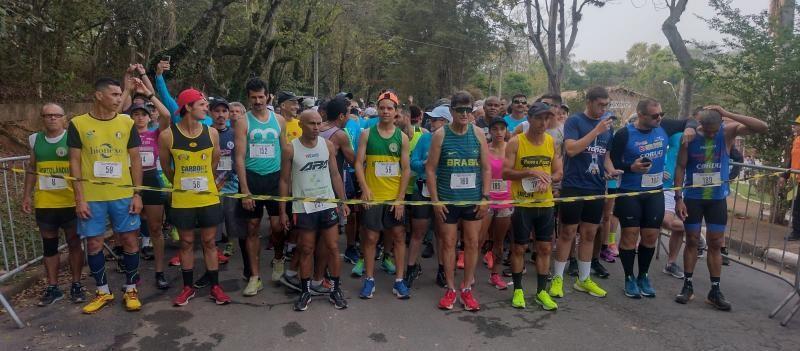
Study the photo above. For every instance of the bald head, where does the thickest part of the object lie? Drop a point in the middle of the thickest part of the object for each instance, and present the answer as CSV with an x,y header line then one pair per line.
x,y
492,107
53,117
310,122
52,108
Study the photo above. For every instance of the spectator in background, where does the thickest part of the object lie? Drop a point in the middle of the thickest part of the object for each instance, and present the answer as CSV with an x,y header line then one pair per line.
x,y
793,162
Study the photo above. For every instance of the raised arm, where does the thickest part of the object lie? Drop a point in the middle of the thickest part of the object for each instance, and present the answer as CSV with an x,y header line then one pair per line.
x,y
574,144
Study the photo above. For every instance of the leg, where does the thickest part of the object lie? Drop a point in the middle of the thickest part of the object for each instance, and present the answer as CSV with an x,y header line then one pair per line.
x,y
398,240
155,217
499,230
186,252
75,253
277,236
714,240
50,244
564,245
320,261
674,224
306,242
369,238
253,246
330,237
130,257
647,248
418,229
627,249
471,236
96,261
207,235
447,250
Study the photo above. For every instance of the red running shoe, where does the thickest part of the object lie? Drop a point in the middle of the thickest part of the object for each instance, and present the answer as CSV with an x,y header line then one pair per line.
x,y
175,260
469,302
449,299
488,259
183,298
222,259
219,296
460,260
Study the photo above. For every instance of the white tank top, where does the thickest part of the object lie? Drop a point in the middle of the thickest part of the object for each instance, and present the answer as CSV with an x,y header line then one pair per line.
x,y
311,176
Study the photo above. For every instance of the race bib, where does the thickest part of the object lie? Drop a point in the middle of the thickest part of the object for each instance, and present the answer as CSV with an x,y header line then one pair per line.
x,y
387,169
425,191
530,184
312,207
148,158
225,163
499,186
706,178
652,180
462,181
49,183
107,169
262,151
194,183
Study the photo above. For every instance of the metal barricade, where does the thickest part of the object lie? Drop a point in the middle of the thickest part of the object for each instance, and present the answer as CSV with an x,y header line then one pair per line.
x,y
20,245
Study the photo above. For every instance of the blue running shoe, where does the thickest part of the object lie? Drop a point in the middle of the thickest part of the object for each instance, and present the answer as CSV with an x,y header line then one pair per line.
x,y
351,255
399,288
631,288
358,268
367,289
644,286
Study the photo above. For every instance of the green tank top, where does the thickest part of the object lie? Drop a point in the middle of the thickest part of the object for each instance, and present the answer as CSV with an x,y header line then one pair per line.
x,y
458,174
263,154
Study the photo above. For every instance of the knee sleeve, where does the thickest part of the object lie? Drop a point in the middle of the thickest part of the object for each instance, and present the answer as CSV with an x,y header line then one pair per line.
x,y
50,246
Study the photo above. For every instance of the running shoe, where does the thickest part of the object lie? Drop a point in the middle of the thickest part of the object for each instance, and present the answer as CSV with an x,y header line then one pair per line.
x,y
572,267
183,298
219,296
368,289
131,299
254,285
173,234
302,302
161,281
497,281
590,287
488,259
277,269
147,253
100,300
598,269
507,271
441,280
292,282
613,249
320,289
358,268
387,264
400,290
351,255
412,274
644,286
51,295
716,299
543,299
175,260
518,300
674,270
221,258
337,299
557,286
607,256
449,299
203,282
468,301
460,260
632,288
686,295
228,250
427,250
76,293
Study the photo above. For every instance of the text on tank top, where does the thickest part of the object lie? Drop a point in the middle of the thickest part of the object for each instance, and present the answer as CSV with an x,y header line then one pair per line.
x,y
535,157
458,174
52,158
263,144
192,157
311,176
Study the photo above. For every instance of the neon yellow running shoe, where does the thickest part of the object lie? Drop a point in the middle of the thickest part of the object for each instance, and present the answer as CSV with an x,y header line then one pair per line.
x,y
100,300
132,302
589,287
518,301
557,287
174,235
543,299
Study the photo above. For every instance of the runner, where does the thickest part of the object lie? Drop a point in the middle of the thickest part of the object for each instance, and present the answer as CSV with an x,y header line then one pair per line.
x,y
458,170
497,221
705,161
258,167
793,162
104,146
419,218
310,168
533,165
519,107
384,177
638,149
53,203
491,110
586,139
289,106
190,157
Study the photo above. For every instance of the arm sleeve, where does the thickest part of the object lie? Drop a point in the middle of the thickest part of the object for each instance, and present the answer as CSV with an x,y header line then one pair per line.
x,y
134,140
166,98
420,154
73,137
618,150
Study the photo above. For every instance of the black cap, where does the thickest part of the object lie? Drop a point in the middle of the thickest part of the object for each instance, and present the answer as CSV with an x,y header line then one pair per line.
x,y
345,95
565,107
538,108
214,101
139,107
286,96
498,120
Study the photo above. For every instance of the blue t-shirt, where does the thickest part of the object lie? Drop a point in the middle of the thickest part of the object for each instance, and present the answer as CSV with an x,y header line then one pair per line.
x,y
513,123
672,159
586,169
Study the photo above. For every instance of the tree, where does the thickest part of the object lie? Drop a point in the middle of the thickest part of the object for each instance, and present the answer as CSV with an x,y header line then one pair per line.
x,y
678,46
548,34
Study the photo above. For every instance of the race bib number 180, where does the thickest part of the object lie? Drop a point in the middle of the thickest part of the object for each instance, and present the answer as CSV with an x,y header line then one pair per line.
x,y
706,178
462,181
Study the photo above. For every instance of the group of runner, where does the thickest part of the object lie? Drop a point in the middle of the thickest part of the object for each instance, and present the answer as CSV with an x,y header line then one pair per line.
x,y
201,147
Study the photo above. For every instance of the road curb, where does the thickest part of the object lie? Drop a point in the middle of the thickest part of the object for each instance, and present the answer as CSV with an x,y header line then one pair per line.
x,y
27,278
772,254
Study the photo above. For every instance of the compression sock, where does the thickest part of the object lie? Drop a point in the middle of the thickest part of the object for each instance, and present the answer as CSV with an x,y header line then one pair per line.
x,y
645,257
627,257
97,266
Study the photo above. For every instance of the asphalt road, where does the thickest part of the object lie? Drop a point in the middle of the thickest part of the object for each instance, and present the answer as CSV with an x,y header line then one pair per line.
x,y
267,321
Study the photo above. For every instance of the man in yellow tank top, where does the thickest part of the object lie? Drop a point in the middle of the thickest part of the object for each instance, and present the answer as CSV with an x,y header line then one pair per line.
x,y
289,105
533,166
104,146
189,158
53,203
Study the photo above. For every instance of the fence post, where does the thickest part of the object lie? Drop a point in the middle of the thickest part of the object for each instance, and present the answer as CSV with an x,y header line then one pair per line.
x,y
11,312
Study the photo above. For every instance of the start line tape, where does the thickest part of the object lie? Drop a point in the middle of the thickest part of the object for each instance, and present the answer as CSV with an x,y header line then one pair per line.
x,y
392,202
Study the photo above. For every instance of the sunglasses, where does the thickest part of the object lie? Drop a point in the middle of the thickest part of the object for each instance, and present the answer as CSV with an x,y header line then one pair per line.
x,y
657,115
463,109
521,102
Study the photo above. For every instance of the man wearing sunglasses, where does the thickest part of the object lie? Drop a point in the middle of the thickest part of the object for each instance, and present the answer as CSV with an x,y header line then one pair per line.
x,y
519,109
639,150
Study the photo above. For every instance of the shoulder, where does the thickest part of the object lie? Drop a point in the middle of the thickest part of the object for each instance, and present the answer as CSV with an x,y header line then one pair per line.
x,y
32,139
328,144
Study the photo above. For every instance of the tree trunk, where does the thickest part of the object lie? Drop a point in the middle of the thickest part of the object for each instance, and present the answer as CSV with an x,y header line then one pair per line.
x,y
261,30
678,46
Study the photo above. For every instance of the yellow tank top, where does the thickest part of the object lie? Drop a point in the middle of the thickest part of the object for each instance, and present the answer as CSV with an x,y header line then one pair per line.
x,y
192,157
104,155
383,172
293,130
538,157
52,158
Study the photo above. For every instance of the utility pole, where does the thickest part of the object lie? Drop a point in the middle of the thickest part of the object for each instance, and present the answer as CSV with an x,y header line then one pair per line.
x,y
316,68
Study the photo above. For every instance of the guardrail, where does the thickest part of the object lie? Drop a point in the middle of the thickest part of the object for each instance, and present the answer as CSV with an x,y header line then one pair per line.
x,y
20,244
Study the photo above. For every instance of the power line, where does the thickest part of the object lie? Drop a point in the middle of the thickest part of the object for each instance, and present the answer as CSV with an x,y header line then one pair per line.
x,y
423,42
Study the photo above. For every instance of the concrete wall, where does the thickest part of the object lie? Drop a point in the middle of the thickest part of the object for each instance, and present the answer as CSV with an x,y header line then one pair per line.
x,y
23,111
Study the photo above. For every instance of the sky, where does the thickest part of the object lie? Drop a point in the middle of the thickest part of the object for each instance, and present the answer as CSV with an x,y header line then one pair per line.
x,y
607,33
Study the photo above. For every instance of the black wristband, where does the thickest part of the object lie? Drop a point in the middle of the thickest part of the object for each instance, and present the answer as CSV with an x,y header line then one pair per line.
x,y
150,97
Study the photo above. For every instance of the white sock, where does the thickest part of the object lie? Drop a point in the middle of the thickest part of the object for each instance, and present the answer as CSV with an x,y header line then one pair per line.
x,y
398,280
316,282
584,269
558,268
129,287
103,289
290,273
146,241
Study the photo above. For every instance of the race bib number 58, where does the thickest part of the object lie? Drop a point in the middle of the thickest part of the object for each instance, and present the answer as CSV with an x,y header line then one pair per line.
x,y
194,183
107,169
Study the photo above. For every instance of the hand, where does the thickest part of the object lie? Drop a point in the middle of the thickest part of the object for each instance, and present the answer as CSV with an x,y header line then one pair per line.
x,y
139,69
343,210
130,71
544,177
140,87
640,167
285,223
688,136
410,100
719,109
26,205
136,204
161,67
481,211
249,204
603,126
440,211
399,211
366,195
613,173
680,209
82,210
